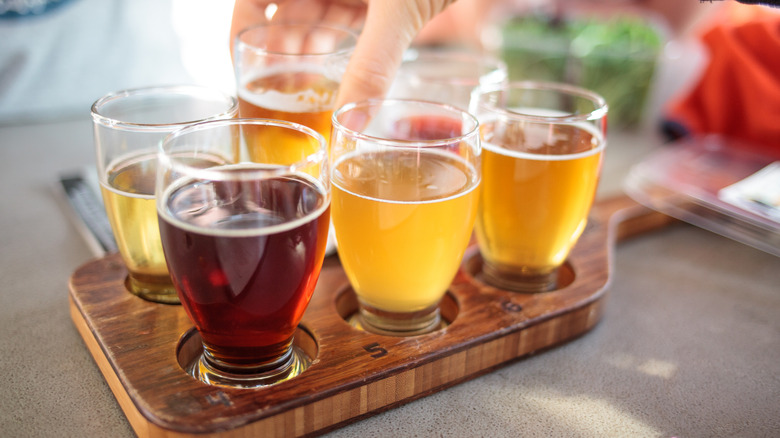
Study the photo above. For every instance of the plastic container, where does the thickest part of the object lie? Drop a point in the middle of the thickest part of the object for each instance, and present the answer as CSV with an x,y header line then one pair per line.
x,y
730,188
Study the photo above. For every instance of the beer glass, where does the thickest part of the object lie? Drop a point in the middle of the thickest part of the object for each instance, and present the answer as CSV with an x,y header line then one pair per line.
x,y
245,241
542,152
291,71
128,127
405,189
446,76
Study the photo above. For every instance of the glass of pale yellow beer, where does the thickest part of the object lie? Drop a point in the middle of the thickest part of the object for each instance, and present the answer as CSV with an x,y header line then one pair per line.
x,y
543,145
405,179
290,71
128,128
445,75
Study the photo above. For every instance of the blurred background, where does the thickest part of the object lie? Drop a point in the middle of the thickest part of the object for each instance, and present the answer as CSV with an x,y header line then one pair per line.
x,y
636,53
59,56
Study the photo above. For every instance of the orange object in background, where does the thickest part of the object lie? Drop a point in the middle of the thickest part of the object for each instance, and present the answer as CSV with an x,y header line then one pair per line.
x,y
738,94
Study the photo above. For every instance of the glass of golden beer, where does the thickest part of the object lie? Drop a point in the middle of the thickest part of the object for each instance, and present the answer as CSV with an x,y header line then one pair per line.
x,y
245,241
543,145
446,76
291,71
405,178
128,127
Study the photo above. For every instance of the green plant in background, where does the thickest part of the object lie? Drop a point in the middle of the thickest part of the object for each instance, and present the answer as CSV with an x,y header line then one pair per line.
x,y
614,57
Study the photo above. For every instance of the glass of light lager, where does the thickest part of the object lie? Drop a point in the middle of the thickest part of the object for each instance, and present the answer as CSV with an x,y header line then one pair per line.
x,y
128,128
291,71
542,152
446,76
405,178
245,241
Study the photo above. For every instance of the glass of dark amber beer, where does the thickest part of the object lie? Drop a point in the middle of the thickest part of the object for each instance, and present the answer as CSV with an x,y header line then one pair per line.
x,y
244,240
128,127
291,71
543,145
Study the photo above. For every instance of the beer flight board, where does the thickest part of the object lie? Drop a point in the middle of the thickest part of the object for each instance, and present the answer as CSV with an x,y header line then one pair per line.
x,y
141,347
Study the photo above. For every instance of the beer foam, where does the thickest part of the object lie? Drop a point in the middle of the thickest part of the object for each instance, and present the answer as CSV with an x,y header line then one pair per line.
x,y
125,194
165,213
303,101
496,148
471,178
501,150
143,159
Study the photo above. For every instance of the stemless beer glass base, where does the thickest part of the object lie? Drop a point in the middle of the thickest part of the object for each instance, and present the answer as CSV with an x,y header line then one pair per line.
x,y
520,280
158,290
296,362
397,324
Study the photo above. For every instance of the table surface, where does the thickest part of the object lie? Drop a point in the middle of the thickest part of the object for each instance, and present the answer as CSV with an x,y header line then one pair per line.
x,y
689,344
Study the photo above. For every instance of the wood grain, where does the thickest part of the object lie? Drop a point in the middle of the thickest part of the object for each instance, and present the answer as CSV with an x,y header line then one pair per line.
x,y
138,345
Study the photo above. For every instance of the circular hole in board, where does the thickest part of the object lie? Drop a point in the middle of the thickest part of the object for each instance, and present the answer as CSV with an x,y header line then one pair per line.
x,y
347,308
472,266
190,346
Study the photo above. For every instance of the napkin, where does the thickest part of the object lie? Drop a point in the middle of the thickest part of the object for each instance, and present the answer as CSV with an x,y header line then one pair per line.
x,y
738,94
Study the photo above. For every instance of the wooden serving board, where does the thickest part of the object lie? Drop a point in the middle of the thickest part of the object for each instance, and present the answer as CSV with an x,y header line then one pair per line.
x,y
140,346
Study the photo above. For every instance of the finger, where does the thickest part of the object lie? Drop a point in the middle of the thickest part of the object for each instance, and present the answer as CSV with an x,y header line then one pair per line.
x,y
345,13
300,11
340,14
247,13
390,27
292,39
335,13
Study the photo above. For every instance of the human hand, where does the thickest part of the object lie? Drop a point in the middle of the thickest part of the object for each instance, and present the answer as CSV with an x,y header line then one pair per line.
x,y
389,26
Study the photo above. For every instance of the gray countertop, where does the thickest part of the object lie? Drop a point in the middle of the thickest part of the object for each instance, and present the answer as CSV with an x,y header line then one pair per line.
x,y
689,344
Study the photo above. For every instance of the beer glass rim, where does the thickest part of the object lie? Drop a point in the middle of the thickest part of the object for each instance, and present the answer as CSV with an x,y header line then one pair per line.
x,y
164,157
599,103
195,91
401,143
491,63
240,44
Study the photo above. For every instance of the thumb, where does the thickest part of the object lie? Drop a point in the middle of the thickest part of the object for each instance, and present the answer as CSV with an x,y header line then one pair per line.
x,y
389,29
